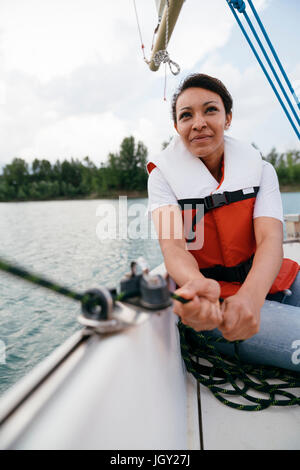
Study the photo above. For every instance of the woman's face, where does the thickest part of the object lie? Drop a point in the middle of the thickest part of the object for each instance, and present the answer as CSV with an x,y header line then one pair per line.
x,y
201,121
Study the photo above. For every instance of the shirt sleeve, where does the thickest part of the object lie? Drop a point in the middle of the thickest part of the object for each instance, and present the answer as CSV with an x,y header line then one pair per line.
x,y
159,191
268,200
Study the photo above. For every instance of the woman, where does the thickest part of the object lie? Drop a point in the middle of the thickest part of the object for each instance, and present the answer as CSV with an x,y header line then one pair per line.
x,y
241,258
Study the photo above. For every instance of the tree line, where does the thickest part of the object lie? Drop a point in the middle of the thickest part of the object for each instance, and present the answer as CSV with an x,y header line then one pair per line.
x,y
123,172
287,166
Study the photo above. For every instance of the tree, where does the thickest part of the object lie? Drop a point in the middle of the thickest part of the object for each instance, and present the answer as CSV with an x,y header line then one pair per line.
x,y
16,173
132,163
71,173
273,157
41,170
7,192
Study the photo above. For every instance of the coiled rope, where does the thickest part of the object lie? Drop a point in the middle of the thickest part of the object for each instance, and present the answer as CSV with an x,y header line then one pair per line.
x,y
225,371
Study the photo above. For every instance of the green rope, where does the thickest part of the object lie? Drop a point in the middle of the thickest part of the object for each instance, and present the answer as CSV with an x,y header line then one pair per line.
x,y
54,287
87,299
40,281
225,370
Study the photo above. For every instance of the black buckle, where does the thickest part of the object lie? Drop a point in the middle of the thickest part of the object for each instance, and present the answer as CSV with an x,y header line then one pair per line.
x,y
215,200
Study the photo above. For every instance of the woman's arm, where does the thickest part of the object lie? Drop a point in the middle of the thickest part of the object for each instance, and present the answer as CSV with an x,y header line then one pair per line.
x,y
268,257
203,312
241,311
179,262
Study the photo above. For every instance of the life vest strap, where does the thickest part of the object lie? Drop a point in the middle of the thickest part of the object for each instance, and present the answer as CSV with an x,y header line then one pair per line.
x,y
236,273
213,201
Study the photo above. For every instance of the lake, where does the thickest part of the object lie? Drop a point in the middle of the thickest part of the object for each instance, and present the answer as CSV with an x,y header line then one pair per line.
x,y
79,244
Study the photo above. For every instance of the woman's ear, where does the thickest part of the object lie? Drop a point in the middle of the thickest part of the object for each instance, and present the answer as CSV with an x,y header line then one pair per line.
x,y
228,120
175,125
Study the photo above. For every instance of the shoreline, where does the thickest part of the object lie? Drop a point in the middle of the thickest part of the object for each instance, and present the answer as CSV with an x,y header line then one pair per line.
x,y
117,194
112,195
289,189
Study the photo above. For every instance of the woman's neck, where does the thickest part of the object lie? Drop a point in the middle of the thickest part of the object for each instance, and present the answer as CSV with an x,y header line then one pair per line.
x,y
213,163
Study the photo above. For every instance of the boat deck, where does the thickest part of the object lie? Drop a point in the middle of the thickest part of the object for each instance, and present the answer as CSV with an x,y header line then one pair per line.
x,y
131,391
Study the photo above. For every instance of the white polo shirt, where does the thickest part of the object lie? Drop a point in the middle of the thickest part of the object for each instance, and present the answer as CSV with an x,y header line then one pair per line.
x,y
268,200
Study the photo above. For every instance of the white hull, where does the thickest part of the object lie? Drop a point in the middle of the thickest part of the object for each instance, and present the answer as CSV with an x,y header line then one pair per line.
x,y
131,391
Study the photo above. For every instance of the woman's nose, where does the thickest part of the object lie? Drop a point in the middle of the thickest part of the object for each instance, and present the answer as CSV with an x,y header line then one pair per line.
x,y
199,122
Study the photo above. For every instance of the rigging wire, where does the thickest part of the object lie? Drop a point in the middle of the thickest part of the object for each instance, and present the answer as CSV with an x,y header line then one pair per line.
x,y
271,66
241,7
274,53
140,33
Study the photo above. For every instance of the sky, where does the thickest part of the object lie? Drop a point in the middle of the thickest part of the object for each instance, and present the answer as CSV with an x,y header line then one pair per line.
x,y
73,81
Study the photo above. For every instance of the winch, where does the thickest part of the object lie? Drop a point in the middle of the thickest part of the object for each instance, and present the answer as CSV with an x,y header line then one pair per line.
x,y
140,295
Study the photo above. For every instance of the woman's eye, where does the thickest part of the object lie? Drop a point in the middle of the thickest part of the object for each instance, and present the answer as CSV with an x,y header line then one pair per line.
x,y
211,109
184,115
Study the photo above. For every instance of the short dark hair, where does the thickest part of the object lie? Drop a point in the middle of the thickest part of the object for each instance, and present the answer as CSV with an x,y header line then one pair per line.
x,y
200,80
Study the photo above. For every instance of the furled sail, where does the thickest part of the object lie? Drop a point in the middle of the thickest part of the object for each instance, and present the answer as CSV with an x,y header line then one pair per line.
x,y
160,5
168,11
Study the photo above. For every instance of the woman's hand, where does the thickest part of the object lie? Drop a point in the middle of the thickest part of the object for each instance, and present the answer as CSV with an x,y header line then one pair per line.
x,y
203,311
241,316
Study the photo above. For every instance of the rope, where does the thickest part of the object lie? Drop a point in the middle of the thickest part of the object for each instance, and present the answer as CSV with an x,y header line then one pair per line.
x,y
240,6
271,66
162,57
90,300
40,281
35,279
225,370
140,33
274,53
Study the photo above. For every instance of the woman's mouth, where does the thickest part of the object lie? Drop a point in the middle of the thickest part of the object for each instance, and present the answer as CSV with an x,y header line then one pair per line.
x,y
201,138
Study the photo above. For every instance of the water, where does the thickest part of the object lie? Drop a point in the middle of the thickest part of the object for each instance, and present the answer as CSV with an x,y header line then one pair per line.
x,y
58,239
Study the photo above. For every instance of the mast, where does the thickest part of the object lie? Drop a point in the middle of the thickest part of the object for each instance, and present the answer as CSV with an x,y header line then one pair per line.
x,y
169,18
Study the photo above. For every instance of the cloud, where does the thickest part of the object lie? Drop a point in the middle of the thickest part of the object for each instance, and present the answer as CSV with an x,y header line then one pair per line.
x,y
50,39
73,81
257,115
78,136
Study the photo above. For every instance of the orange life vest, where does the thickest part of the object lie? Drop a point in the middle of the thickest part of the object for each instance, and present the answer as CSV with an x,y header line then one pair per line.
x,y
229,241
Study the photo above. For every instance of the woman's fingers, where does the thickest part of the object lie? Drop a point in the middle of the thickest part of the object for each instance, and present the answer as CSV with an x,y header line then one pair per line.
x,y
230,317
237,318
180,309
199,313
208,288
240,320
